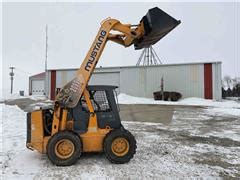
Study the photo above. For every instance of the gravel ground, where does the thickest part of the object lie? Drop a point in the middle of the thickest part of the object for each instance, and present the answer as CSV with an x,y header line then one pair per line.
x,y
195,142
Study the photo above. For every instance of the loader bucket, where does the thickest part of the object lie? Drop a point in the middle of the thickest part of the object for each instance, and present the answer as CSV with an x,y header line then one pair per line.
x,y
157,24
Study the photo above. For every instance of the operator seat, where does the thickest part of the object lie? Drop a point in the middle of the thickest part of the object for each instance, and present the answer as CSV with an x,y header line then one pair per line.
x,y
80,118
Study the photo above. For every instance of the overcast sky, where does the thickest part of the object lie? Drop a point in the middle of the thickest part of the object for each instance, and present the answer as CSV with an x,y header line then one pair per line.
x,y
208,32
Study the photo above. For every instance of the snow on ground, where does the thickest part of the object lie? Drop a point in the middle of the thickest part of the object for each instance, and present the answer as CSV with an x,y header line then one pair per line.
x,y
15,96
206,123
37,97
15,160
217,107
11,97
127,99
194,144
207,102
222,111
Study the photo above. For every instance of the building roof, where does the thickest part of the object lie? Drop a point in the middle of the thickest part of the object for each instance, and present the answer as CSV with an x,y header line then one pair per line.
x,y
38,76
119,67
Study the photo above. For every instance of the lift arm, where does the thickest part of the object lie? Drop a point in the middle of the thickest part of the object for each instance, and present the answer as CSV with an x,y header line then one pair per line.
x,y
146,33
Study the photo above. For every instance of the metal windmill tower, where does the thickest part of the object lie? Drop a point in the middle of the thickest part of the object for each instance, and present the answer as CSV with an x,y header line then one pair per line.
x,y
148,57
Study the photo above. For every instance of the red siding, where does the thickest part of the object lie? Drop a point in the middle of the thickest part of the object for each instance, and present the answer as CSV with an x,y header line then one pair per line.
x,y
208,92
53,84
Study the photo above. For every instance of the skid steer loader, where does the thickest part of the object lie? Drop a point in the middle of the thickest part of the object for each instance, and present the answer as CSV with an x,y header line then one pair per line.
x,y
86,118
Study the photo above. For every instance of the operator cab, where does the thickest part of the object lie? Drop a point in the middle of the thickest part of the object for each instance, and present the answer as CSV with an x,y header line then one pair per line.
x,y
104,104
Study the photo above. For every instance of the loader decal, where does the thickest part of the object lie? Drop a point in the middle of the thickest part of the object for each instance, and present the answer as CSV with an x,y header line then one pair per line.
x,y
95,50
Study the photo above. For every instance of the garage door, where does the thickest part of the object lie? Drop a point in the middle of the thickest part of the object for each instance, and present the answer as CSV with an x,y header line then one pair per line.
x,y
38,87
109,78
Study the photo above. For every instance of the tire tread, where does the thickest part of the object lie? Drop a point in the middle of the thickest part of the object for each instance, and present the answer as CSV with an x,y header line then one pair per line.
x,y
107,146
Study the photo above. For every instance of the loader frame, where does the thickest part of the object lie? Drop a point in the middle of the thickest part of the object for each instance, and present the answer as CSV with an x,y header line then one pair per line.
x,y
63,144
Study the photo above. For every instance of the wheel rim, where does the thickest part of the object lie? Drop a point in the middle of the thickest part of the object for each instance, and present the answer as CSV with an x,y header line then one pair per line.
x,y
64,148
120,146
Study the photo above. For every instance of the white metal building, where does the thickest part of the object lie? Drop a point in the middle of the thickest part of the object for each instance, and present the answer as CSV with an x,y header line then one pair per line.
x,y
191,80
37,84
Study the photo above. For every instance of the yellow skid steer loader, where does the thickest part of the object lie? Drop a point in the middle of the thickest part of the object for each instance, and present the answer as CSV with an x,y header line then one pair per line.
x,y
86,118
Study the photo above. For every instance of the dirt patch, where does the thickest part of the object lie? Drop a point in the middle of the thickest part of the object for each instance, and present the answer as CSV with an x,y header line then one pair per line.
x,y
215,159
187,138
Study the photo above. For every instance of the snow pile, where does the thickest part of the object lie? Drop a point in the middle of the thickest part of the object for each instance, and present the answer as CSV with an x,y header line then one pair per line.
x,y
37,97
15,96
127,99
226,107
15,158
6,96
12,97
207,102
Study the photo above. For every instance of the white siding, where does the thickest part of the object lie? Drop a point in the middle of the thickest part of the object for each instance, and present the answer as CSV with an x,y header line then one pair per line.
x,y
217,81
143,81
188,79
133,81
111,78
98,78
63,77
48,83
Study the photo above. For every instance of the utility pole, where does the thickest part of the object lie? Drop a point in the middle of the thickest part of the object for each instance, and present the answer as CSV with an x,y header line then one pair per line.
x,y
11,77
46,57
46,50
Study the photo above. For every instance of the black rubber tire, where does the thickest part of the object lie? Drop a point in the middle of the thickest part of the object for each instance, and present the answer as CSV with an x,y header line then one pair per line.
x,y
74,138
108,142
